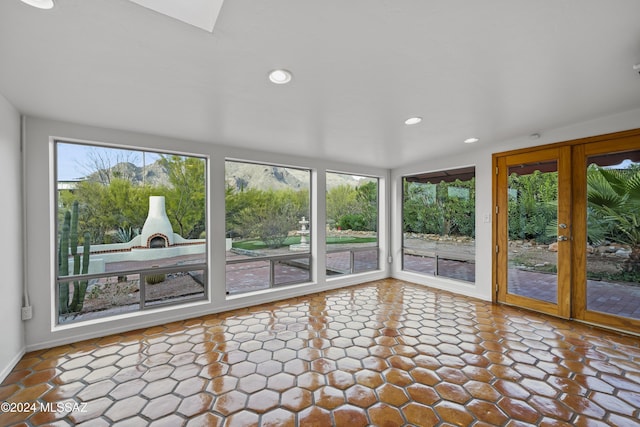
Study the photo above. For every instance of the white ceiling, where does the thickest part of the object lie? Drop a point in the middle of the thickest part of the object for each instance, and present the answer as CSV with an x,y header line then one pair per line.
x,y
494,69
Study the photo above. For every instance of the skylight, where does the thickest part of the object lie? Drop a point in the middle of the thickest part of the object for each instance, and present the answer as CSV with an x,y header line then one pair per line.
x,y
199,13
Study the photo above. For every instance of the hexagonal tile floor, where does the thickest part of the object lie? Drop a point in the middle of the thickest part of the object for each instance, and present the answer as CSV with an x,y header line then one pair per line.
x,y
386,353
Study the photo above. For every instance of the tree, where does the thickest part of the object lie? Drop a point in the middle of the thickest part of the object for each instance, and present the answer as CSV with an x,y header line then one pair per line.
x,y
341,201
533,205
185,200
367,204
614,197
107,208
104,164
445,208
420,213
354,208
270,215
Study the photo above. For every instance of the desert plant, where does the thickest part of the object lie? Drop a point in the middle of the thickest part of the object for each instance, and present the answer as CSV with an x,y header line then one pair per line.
x,y
153,279
614,196
125,234
69,245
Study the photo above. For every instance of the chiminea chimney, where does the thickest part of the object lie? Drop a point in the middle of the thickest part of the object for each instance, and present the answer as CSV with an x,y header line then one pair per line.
x,y
157,231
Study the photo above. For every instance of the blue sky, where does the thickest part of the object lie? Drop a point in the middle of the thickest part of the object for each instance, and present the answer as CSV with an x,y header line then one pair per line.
x,y
77,160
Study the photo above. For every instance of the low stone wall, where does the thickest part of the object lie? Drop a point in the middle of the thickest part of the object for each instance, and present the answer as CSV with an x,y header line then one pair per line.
x,y
98,261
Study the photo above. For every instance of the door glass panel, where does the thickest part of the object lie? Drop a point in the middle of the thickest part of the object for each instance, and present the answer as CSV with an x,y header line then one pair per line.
x,y
613,234
532,231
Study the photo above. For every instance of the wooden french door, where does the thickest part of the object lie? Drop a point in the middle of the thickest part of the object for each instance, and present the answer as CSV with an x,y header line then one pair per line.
x,y
534,193
567,229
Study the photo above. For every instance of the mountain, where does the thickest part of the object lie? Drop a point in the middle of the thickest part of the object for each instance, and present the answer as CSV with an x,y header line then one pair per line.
x,y
153,175
265,177
237,175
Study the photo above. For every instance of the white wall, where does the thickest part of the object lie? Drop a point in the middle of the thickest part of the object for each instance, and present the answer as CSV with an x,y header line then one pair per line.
x,y
12,347
479,155
42,332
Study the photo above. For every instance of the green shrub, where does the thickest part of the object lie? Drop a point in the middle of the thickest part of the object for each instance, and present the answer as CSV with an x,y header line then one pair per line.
x,y
355,222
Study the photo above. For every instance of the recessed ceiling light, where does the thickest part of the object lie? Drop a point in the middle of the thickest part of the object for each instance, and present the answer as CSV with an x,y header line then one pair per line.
x,y
471,140
413,121
40,4
280,77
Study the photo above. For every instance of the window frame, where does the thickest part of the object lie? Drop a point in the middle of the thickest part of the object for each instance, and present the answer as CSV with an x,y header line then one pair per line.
x,y
447,175
275,260
180,300
354,251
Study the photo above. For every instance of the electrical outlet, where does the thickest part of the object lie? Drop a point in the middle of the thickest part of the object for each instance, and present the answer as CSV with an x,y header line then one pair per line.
x,y
27,313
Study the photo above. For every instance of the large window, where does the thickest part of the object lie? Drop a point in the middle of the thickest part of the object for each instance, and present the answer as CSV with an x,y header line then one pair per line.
x,y
352,224
131,230
267,225
438,219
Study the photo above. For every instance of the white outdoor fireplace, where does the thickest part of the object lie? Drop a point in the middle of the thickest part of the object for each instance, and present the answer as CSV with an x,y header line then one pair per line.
x,y
157,231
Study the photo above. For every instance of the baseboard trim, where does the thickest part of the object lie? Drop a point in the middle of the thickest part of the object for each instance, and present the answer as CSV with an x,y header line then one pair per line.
x,y
12,364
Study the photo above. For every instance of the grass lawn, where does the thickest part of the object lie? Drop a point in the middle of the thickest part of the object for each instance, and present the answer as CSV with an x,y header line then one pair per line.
x,y
258,244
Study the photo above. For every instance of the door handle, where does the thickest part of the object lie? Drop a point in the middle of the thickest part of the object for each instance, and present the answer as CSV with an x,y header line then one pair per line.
x,y
562,238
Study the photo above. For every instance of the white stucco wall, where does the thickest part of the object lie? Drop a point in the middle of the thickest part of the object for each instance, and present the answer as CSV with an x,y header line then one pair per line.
x,y
41,331
12,346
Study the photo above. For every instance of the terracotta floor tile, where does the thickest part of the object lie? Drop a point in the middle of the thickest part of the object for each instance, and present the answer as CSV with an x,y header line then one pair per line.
x,y
221,385
347,415
369,378
96,390
63,392
584,406
398,377
328,397
340,379
281,382
125,408
452,392
519,410
360,396
392,394
296,399
482,390
195,404
454,413
242,419
382,414
511,389
487,412
383,353
230,402
551,407
311,380
420,415
314,416
190,386
91,412
278,418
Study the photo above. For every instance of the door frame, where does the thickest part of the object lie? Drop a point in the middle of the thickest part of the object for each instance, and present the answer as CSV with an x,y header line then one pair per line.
x,y
562,156
575,294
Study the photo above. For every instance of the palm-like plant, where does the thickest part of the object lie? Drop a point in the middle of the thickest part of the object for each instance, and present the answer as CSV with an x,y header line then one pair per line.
x,y
613,195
